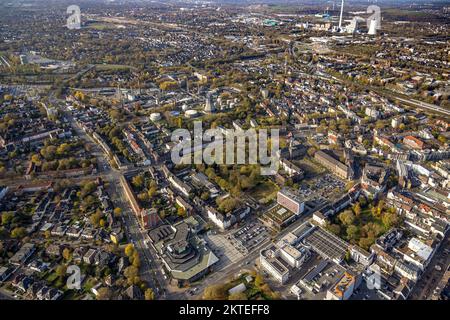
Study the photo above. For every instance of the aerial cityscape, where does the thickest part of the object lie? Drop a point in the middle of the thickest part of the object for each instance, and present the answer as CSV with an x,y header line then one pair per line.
x,y
224,150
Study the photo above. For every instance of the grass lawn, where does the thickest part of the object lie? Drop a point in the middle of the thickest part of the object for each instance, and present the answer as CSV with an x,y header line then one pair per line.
x,y
51,277
253,292
366,50
264,191
310,167
101,26
112,67
402,14
72,295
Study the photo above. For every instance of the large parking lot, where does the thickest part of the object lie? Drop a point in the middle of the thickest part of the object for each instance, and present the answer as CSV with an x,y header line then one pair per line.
x,y
249,237
322,187
233,246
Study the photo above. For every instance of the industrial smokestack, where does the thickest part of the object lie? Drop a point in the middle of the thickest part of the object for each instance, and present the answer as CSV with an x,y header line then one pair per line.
x,y
340,18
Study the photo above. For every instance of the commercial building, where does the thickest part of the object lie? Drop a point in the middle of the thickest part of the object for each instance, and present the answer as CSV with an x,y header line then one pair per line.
x,y
5,273
391,263
280,259
201,180
374,179
226,220
180,185
330,281
278,217
291,170
183,253
219,219
361,256
148,218
294,256
326,244
272,264
417,253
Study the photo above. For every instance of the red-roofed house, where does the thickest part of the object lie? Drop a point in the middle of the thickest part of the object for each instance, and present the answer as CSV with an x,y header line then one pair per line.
x,y
413,142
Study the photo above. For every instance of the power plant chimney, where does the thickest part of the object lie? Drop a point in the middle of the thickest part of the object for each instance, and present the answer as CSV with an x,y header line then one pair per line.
x,y
340,18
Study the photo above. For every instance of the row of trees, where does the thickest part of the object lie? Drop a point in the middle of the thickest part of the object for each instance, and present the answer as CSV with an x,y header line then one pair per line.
x,y
114,133
132,272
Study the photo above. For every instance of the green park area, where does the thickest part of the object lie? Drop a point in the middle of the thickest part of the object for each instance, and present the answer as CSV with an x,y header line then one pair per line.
x,y
364,222
101,26
310,167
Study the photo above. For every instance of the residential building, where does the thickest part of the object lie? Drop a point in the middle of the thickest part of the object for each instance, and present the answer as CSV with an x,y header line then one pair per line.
x,y
414,142
21,256
344,288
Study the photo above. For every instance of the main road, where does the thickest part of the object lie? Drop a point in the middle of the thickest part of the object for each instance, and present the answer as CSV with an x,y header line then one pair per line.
x,y
149,270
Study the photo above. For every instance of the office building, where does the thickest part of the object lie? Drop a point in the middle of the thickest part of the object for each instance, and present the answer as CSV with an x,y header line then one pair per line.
x,y
335,166
291,201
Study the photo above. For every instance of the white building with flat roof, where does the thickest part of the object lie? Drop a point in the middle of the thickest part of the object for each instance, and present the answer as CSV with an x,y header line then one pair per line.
x,y
295,257
419,253
273,265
